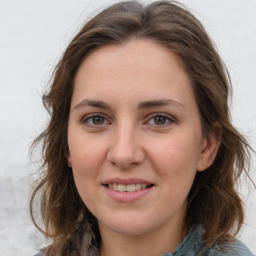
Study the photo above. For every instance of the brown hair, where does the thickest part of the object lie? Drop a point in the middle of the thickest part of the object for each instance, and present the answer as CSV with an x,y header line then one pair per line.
x,y
213,200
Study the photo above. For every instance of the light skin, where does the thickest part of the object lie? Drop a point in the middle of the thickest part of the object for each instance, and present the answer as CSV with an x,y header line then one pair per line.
x,y
134,118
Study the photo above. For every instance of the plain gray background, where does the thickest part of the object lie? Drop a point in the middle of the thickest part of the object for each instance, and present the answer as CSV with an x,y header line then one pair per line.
x,y
33,34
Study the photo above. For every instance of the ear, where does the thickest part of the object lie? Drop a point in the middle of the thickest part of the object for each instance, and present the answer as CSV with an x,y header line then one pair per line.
x,y
210,146
69,162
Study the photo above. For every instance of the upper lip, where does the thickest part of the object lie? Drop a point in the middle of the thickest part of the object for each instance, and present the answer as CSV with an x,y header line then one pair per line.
x,y
126,181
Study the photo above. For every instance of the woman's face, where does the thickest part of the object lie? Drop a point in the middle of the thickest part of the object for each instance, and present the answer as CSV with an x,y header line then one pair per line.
x,y
135,137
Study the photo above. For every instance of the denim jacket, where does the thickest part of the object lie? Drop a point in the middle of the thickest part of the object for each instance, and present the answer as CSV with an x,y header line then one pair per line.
x,y
192,245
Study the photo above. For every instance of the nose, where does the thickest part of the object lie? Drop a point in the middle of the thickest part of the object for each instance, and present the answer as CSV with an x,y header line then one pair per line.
x,y
125,149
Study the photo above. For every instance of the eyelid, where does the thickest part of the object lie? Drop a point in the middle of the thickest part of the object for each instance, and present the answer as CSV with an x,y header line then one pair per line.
x,y
88,116
167,116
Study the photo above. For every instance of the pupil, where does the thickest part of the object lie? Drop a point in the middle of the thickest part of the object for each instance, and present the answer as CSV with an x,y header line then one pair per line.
x,y
160,120
98,120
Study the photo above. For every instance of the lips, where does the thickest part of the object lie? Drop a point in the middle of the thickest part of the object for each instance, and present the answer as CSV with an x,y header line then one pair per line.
x,y
127,190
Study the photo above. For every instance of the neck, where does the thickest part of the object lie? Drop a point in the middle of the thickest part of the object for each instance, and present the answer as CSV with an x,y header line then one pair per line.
x,y
151,244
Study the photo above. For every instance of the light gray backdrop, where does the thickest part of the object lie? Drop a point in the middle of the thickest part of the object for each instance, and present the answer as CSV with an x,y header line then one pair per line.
x,y
33,35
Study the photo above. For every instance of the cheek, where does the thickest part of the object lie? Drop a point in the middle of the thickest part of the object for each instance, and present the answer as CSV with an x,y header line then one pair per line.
x,y
86,155
86,159
85,166
176,158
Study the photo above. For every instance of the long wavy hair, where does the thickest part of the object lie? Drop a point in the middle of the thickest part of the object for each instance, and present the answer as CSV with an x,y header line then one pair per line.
x,y
213,200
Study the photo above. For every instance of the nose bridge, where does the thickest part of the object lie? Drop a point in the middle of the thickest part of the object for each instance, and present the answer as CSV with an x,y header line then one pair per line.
x,y
125,149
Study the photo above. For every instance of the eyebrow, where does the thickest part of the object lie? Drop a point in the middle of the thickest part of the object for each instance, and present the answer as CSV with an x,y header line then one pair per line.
x,y
142,105
160,103
92,103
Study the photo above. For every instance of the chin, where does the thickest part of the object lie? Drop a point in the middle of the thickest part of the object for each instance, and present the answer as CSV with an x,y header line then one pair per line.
x,y
134,230
131,226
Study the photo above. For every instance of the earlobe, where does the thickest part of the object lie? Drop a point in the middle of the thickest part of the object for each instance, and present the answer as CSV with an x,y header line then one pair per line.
x,y
210,147
69,162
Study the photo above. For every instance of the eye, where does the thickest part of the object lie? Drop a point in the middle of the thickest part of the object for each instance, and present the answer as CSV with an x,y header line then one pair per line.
x,y
95,120
160,120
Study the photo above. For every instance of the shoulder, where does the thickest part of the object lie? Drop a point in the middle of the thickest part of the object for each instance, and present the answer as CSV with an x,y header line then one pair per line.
x,y
193,244
39,254
234,247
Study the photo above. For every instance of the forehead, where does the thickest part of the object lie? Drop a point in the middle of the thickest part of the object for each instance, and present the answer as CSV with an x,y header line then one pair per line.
x,y
147,52
138,67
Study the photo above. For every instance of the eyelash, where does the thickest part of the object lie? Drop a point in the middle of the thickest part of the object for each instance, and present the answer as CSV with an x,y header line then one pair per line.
x,y
167,118
95,115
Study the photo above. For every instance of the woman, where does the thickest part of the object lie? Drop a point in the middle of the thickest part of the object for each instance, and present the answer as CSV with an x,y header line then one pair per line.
x,y
140,156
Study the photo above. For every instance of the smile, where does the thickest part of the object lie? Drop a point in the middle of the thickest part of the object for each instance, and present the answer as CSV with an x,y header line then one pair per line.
x,y
127,188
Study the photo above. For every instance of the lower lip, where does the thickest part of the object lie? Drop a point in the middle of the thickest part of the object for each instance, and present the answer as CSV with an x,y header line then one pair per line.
x,y
126,197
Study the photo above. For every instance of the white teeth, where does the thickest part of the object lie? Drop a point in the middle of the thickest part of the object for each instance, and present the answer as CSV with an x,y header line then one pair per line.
x,y
127,188
130,188
138,186
121,187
